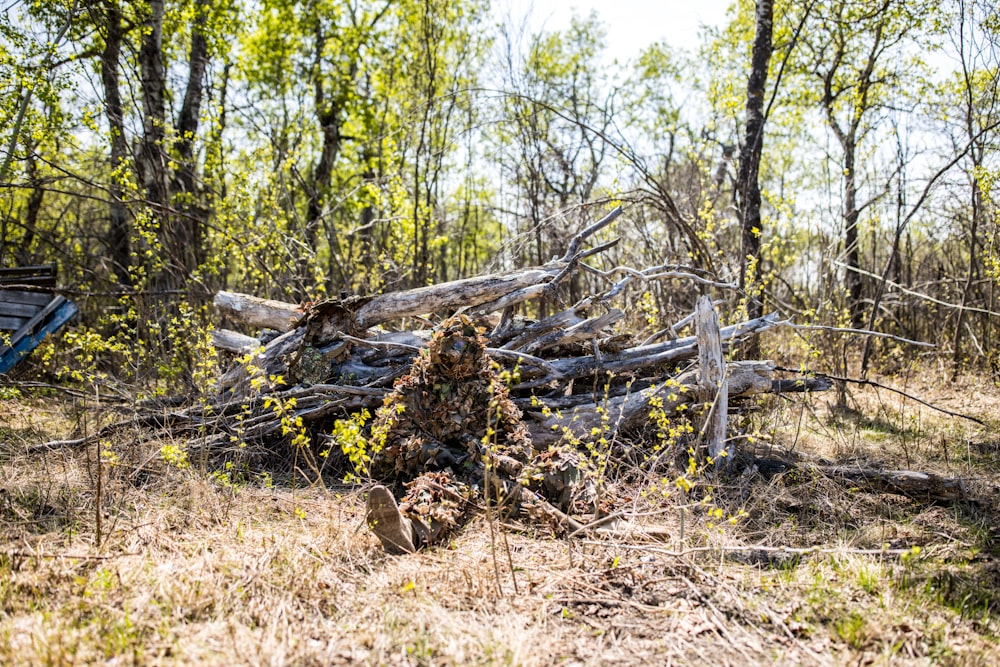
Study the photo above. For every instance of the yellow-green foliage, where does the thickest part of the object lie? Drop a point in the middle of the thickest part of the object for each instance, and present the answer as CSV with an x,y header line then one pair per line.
x,y
350,437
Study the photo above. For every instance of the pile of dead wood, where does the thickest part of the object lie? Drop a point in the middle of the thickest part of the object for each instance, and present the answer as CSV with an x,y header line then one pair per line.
x,y
574,372
574,376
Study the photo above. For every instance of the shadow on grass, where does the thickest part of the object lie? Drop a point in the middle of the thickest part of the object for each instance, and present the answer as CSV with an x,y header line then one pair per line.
x,y
841,416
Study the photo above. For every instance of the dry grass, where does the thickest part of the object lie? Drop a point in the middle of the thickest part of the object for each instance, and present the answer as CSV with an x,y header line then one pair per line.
x,y
192,571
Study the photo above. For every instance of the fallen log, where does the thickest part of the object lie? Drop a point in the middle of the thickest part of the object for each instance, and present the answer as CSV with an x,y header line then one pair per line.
x,y
259,313
921,486
451,296
255,312
642,357
234,342
629,412
287,357
520,338
273,361
584,330
467,293
313,341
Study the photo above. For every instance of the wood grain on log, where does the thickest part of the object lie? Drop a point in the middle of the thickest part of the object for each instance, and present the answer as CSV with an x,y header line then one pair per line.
x,y
259,313
561,320
448,296
273,361
713,390
584,330
235,342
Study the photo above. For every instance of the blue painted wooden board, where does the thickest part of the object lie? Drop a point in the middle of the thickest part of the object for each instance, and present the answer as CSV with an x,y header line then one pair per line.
x,y
23,347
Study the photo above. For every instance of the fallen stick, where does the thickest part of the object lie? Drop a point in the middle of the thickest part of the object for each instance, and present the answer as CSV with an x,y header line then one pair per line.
x,y
923,486
878,385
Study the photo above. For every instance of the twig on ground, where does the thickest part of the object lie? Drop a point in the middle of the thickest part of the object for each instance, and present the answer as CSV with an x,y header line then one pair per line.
x,y
860,332
28,554
795,551
879,385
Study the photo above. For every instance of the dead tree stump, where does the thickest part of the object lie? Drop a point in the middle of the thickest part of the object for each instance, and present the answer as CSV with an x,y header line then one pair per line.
x,y
713,388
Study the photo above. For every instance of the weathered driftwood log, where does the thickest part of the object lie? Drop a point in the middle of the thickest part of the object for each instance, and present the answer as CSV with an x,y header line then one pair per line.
x,y
519,338
274,361
233,341
644,356
311,342
259,313
588,329
624,413
286,356
451,296
361,314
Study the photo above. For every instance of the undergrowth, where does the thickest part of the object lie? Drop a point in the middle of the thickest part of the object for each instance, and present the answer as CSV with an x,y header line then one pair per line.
x,y
242,566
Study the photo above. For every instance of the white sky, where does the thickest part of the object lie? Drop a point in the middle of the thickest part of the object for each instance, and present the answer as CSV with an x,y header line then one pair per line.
x,y
631,24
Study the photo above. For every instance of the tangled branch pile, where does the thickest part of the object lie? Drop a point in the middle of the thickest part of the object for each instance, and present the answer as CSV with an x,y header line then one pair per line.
x,y
571,375
311,369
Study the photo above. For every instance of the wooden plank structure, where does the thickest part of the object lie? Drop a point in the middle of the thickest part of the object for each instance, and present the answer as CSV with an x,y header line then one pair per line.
x,y
29,311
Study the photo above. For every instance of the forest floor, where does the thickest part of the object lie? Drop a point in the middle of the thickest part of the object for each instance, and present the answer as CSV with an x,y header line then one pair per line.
x,y
193,569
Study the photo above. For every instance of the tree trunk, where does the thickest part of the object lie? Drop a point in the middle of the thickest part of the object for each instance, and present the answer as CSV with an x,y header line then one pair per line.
x,y
958,358
153,164
977,115
851,244
25,256
185,238
748,187
848,134
154,160
118,227
329,109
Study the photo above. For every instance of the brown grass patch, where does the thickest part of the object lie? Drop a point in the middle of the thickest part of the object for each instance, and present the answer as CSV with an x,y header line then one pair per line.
x,y
191,570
